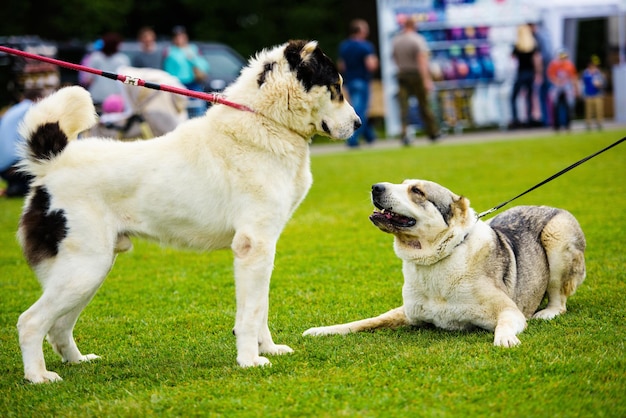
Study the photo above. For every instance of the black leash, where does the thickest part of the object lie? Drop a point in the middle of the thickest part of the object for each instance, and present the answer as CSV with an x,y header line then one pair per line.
x,y
565,170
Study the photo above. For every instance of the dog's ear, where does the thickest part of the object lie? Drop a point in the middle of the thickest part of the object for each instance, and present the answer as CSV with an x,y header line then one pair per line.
x,y
267,68
460,209
292,53
307,50
311,65
299,52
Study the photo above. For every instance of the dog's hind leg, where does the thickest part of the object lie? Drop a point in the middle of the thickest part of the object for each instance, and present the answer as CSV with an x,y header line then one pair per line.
x,y
564,243
69,284
61,336
394,318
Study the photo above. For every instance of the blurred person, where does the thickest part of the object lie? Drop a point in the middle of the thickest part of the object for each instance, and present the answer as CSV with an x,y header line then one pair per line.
x,y
149,56
529,73
545,49
564,79
357,61
109,59
11,142
593,92
411,55
183,60
85,78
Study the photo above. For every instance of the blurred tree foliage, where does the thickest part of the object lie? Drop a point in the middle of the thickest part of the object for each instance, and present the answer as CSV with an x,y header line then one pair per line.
x,y
246,26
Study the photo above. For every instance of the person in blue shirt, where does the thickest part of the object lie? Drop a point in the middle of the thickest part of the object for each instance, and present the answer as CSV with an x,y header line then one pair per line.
x,y
593,86
10,144
357,61
184,61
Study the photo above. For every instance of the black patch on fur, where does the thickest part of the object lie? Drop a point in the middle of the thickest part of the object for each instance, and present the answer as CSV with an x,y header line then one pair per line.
x,y
47,141
267,68
325,127
317,70
42,230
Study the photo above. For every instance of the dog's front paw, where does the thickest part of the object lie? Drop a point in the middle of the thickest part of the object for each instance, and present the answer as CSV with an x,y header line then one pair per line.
x,y
45,377
511,321
318,331
506,341
82,359
254,362
315,332
275,349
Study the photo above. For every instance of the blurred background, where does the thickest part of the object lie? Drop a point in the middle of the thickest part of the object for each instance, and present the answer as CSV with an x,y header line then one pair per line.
x,y
474,35
66,29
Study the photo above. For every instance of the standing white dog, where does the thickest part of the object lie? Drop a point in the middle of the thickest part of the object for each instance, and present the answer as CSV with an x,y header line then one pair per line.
x,y
229,178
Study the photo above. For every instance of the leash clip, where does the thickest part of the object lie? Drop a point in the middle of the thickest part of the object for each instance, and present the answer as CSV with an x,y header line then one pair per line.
x,y
217,98
133,81
485,213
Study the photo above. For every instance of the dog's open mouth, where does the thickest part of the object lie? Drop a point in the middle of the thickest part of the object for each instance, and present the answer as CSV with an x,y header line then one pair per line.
x,y
387,216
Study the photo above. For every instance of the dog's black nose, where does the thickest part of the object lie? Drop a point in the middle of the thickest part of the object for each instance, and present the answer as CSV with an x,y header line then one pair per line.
x,y
357,124
378,189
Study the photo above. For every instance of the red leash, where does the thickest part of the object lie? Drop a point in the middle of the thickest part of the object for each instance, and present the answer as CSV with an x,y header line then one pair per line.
x,y
213,98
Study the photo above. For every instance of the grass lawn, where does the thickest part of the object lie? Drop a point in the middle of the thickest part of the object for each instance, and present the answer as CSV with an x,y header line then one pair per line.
x,y
162,321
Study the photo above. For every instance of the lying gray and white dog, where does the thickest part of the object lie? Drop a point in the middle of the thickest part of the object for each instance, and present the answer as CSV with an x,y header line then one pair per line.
x,y
460,272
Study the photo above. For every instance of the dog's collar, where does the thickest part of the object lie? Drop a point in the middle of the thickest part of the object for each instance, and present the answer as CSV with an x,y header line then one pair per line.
x,y
443,251
462,240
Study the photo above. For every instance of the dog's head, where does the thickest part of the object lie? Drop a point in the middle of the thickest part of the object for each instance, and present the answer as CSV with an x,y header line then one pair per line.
x,y
298,86
426,219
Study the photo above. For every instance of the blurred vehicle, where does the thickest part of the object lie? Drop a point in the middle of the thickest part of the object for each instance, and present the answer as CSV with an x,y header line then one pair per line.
x,y
225,63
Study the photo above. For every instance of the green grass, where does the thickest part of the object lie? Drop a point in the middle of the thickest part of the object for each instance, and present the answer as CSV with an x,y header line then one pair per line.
x,y
162,321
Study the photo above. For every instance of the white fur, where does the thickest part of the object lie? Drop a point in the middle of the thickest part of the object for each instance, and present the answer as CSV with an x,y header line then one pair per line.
x,y
229,179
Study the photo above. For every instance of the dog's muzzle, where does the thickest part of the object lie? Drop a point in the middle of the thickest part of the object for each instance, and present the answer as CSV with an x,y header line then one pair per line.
x,y
386,217
357,123
378,191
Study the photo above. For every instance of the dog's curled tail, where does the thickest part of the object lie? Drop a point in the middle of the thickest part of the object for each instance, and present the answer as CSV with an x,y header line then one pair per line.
x,y
51,123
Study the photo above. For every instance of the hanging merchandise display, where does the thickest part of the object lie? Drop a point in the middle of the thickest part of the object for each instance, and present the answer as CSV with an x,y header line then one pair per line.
x,y
470,54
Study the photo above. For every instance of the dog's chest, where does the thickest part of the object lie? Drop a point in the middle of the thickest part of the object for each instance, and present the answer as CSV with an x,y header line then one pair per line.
x,y
435,300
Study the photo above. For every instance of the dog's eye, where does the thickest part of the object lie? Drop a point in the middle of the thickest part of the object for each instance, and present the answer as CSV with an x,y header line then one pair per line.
x,y
417,191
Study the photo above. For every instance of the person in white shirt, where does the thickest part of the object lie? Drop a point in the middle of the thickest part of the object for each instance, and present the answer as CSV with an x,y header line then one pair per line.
x,y
109,59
